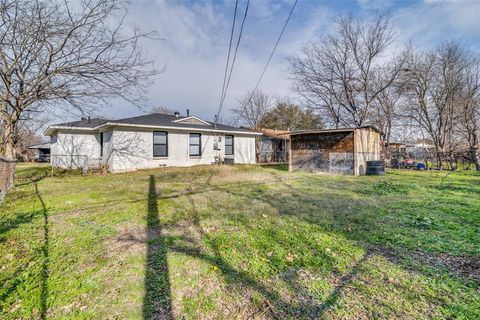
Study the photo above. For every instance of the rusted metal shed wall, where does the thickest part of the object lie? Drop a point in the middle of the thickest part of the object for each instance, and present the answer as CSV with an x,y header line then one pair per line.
x,y
336,151
323,152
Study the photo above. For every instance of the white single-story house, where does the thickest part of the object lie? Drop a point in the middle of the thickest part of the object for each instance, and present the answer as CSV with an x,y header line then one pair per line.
x,y
148,141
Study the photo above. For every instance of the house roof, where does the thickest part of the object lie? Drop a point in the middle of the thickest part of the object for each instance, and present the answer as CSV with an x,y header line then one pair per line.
x,y
331,130
155,120
84,123
161,119
274,133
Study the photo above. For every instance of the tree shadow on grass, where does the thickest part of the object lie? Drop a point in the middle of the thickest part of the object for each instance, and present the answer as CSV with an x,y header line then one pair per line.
x,y
275,305
10,224
45,258
299,203
16,277
342,283
280,167
336,219
191,247
31,180
359,227
157,300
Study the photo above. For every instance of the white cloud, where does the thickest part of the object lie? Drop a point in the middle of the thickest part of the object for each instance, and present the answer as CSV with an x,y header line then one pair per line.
x,y
195,47
197,33
433,22
374,4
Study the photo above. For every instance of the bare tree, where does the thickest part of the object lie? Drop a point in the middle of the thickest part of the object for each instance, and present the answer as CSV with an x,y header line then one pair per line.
x,y
469,108
161,109
385,114
229,121
252,108
28,130
27,134
338,73
251,111
54,55
434,81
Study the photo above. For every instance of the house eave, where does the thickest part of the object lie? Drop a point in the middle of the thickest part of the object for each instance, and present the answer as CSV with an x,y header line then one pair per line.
x,y
51,130
117,124
314,131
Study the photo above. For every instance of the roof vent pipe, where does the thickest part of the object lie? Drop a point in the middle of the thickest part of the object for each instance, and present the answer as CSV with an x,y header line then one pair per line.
x,y
177,114
188,112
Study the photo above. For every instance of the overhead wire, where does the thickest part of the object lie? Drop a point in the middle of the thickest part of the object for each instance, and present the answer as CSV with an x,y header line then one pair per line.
x,y
273,51
224,92
229,51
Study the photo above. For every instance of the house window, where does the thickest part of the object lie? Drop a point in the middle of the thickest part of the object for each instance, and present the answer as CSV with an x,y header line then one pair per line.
x,y
160,144
229,145
195,145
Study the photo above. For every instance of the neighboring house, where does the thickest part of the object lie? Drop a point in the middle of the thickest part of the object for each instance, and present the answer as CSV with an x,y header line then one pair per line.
x,y
42,152
273,146
344,150
148,141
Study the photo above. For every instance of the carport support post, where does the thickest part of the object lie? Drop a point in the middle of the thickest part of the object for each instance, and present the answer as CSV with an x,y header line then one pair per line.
x,y
355,153
289,144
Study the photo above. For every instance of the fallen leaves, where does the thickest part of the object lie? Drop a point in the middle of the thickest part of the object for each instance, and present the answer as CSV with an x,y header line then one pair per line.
x,y
290,257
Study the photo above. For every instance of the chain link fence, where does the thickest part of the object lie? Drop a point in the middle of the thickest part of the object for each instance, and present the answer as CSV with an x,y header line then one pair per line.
x,y
429,159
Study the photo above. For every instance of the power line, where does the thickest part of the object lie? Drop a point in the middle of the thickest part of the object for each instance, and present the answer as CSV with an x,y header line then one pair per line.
x,y
229,50
222,100
273,51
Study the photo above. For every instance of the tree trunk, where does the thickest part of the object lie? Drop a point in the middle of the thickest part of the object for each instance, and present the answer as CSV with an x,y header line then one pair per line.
x,y
7,169
438,157
453,161
257,148
8,139
7,162
474,157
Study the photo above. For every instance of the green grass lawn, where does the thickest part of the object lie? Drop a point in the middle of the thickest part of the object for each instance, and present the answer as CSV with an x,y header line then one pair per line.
x,y
240,242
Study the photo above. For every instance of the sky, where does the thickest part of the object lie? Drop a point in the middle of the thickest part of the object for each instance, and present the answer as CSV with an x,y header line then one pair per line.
x,y
195,37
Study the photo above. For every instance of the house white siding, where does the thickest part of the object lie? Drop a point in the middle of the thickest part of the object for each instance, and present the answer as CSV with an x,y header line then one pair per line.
x,y
75,149
107,147
244,147
133,149
127,148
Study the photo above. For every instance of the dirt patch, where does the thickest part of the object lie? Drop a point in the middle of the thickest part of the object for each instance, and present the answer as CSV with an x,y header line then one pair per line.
x,y
468,267
130,239
463,266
